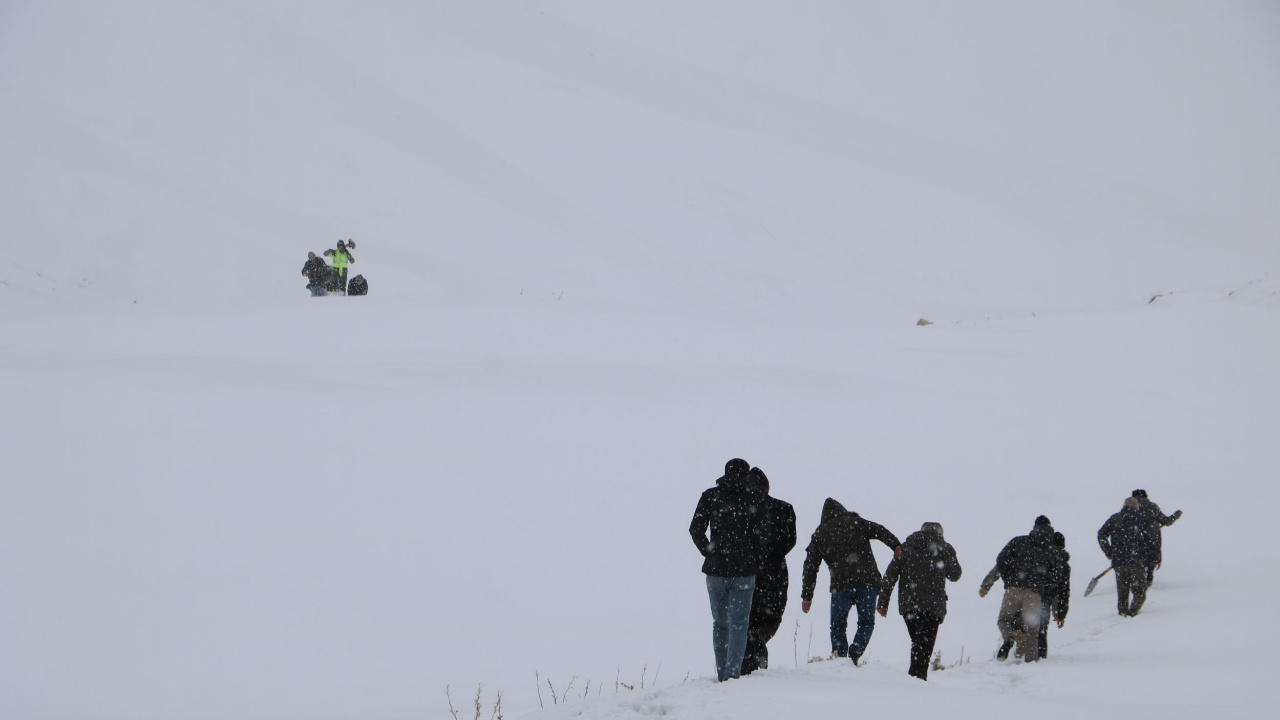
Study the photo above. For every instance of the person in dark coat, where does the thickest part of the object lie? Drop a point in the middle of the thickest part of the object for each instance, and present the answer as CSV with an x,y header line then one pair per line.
x,y
1158,521
734,512
1127,539
1054,604
1031,567
927,562
317,274
843,540
1057,598
358,286
770,598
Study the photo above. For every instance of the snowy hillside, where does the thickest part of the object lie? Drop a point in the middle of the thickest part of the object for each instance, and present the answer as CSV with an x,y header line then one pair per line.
x,y
611,246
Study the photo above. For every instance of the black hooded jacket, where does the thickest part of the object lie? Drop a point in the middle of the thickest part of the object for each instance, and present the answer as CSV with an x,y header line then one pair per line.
x,y
927,563
843,540
779,526
1157,521
316,271
1032,561
1129,538
735,513
1059,595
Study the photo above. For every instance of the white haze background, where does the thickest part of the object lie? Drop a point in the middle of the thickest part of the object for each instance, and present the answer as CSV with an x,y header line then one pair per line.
x,y
610,246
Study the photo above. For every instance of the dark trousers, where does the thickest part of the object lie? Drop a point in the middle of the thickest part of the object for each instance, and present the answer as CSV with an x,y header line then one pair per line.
x,y
1131,579
923,630
1046,613
341,279
767,606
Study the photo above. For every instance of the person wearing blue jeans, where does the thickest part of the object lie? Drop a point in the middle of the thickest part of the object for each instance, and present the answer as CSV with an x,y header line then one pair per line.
x,y
864,597
843,542
730,618
733,510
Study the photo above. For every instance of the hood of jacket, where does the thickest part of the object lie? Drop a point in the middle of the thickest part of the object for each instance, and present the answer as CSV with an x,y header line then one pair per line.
x,y
832,510
921,540
1128,513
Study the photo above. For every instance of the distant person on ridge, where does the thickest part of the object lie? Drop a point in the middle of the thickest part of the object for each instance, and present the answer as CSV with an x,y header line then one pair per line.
x,y
928,561
770,598
342,257
1128,540
1031,568
317,273
1158,521
843,540
734,511
358,286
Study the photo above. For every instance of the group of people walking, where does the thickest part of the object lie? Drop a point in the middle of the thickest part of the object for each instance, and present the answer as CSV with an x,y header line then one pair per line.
x,y
744,535
323,278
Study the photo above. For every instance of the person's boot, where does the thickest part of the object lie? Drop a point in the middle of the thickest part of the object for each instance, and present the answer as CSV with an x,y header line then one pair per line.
x,y
1003,653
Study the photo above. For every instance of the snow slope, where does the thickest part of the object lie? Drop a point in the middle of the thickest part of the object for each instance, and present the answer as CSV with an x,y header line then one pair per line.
x,y
610,247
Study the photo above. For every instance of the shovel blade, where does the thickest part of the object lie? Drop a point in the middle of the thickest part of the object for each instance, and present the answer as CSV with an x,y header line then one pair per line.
x,y
1092,584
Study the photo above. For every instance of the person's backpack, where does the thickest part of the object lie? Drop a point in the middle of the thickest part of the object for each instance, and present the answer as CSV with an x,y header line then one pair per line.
x,y
358,286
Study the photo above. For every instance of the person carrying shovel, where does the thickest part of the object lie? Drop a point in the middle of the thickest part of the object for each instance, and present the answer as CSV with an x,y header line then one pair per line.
x,y
341,258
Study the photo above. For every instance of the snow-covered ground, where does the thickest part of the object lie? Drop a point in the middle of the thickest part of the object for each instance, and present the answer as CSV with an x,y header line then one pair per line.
x,y
611,246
